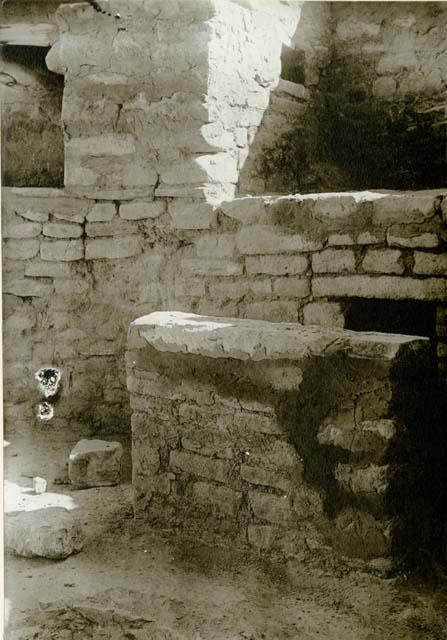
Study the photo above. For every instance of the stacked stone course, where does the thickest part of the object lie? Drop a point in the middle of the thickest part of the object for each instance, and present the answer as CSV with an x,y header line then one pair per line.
x,y
258,257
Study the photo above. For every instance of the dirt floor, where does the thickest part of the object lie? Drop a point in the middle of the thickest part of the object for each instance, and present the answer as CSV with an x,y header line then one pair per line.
x,y
135,583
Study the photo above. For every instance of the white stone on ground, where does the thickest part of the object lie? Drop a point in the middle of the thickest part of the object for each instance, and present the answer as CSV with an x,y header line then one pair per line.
x,y
95,463
52,533
39,485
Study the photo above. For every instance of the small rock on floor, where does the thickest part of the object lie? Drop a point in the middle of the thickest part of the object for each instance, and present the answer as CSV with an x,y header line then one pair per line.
x,y
52,533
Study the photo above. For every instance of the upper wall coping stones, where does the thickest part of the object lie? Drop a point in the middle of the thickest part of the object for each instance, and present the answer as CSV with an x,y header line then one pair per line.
x,y
256,340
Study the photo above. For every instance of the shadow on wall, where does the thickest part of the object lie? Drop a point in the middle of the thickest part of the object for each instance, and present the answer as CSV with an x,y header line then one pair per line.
x,y
382,144
32,137
288,153
365,103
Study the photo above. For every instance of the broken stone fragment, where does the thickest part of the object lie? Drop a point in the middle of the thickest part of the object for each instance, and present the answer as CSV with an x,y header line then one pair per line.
x,y
95,463
47,533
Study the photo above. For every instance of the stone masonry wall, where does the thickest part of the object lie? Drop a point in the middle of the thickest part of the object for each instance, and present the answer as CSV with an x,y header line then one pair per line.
x,y
385,92
156,133
287,153
361,103
76,271
287,438
168,98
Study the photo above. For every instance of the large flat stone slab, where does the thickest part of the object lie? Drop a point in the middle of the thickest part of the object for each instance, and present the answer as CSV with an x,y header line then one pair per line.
x,y
215,337
53,533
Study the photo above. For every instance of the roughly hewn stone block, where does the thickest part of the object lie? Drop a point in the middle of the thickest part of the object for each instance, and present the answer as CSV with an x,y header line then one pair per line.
x,y
28,288
258,239
406,208
276,509
211,267
141,210
215,246
387,287
275,310
35,216
112,144
247,210
257,422
368,237
221,500
20,249
340,239
403,236
39,269
112,248
354,527
191,215
325,314
430,264
62,250
260,287
291,286
333,261
276,265
266,477
200,466
359,436
116,227
363,479
102,212
281,456
52,533
24,230
95,463
61,230
383,261
191,287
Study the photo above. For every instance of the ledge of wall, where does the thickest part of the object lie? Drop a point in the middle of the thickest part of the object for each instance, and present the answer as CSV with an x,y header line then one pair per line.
x,y
256,340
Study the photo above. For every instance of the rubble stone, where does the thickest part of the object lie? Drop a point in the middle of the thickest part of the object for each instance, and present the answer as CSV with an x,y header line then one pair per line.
x,y
95,463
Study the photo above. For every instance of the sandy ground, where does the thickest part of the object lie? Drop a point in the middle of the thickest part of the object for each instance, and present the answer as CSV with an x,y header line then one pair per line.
x,y
133,582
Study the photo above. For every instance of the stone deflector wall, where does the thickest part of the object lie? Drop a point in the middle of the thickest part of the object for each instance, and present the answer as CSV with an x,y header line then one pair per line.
x,y
282,436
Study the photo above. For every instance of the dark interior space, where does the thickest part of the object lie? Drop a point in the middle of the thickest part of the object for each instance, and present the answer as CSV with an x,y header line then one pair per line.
x,y
32,136
424,534
407,317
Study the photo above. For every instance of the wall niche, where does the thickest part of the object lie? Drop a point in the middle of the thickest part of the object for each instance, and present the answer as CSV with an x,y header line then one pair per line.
x,y
31,103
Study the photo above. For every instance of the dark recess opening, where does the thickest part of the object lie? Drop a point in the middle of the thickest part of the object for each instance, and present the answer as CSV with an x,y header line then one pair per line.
x,y
421,489
407,317
32,136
